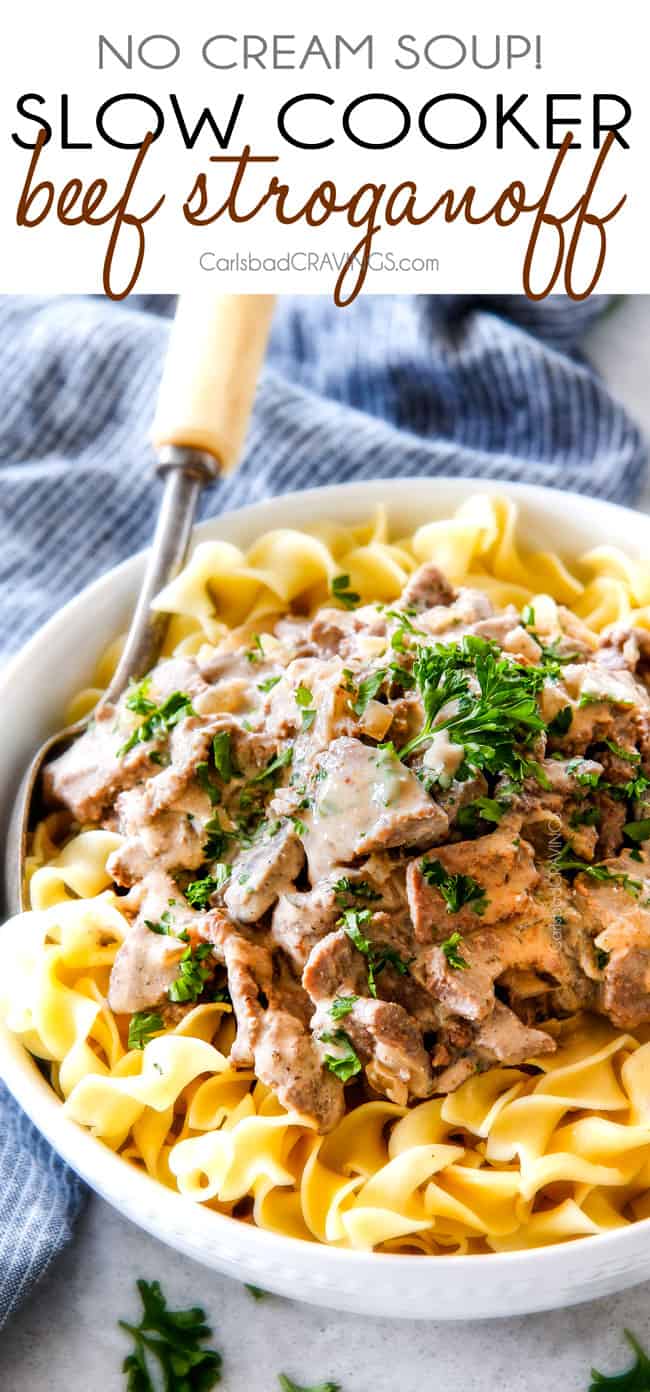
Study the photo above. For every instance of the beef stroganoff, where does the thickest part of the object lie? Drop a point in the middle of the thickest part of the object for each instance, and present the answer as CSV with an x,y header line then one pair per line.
x,y
341,918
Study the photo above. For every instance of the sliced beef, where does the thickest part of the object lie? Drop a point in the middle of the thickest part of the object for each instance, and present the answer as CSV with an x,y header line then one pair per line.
x,y
260,874
283,1051
385,1037
145,966
87,777
618,916
501,863
348,633
301,919
366,800
426,588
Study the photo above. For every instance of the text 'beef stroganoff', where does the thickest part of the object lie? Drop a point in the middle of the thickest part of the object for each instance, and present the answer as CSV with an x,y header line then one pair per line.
x,y
377,852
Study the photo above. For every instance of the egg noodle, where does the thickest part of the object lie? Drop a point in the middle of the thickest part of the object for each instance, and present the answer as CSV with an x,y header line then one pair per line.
x,y
515,1158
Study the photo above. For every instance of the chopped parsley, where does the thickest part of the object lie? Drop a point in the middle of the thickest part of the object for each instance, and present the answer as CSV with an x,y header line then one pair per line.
x,y
342,1005
256,1292
480,809
495,726
629,755
567,861
450,948
585,816
377,957
561,723
345,888
367,690
348,1063
199,891
458,891
205,782
274,766
341,591
223,755
217,841
638,831
164,924
304,700
287,1385
158,719
141,1027
192,975
268,685
636,1379
176,1339
254,653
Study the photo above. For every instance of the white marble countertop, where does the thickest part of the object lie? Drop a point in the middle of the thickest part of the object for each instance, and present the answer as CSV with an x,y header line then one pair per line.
x,y
66,1339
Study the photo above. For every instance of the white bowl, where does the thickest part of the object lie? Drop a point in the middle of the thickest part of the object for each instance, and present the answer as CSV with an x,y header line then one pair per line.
x,y
34,689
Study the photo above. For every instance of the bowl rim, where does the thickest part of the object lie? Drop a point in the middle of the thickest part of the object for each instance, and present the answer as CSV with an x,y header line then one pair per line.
x,y
135,1192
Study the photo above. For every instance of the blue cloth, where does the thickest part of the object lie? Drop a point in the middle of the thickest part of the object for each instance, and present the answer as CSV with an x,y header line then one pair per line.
x,y
489,387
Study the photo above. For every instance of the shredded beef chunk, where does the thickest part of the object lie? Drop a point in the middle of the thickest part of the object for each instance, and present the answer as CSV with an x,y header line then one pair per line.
x,y
405,837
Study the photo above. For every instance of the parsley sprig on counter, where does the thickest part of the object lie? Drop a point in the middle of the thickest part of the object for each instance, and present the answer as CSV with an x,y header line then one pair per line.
x,y
158,719
636,1379
176,1339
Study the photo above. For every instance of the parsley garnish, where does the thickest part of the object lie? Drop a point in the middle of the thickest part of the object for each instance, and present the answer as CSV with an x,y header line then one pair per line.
x,y
199,891
630,755
457,891
377,957
345,888
222,755
268,685
449,947
342,1005
587,816
636,1379
288,1386
638,831
192,975
304,699
341,591
367,690
561,722
272,768
256,651
348,1064
184,1364
141,1027
159,720
205,782
495,726
217,841
481,809
164,924
256,1292
567,861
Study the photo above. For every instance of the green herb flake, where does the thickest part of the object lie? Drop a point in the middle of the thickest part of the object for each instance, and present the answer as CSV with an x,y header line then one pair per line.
x,y
164,926
561,723
199,892
281,760
377,956
265,686
256,651
341,1006
256,1292
174,1338
347,1064
287,1385
345,888
450,948
638,831
205,782
458,891
141,1027
159,720
367,690
484,809
304,700
341,591
192,975
567,861
629,755
223,755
